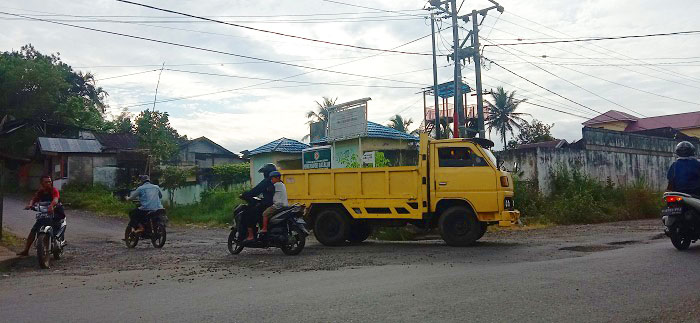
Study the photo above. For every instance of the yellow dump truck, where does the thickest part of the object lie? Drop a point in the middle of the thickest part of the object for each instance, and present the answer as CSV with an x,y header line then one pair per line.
x,y
456,186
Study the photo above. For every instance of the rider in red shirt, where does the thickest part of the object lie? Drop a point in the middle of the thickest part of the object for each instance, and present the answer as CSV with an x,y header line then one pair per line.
x,y
47,193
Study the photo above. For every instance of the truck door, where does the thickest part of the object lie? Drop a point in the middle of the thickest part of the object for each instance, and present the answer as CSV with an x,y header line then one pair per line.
x,y
460,172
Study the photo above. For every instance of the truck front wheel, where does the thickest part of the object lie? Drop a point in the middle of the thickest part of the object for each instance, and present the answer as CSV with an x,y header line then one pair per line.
x,y
459,227
331,227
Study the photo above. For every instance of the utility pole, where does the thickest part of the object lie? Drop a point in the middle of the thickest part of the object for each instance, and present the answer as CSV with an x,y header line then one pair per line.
x,y
435,81
460,53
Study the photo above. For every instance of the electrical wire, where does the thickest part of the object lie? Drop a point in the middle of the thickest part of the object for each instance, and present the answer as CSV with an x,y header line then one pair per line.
x,y
599,38
211,50
370,8
268,31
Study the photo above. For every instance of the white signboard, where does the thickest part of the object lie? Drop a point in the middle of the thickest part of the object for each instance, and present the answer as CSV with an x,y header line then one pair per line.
x,y
368,158
348,120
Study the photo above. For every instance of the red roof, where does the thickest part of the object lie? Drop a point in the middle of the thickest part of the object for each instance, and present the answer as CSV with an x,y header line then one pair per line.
x,y
610,116
677,121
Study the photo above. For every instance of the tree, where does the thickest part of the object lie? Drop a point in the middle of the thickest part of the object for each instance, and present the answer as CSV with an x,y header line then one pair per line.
x,y
120,124
502,115
42,88
399,123
534,132
321,113
155,134
173,178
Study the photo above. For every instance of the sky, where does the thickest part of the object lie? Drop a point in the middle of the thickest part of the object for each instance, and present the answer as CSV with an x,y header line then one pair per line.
x,y
235,96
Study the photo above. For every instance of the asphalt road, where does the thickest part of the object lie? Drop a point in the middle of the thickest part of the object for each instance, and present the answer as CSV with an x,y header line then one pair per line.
x,y
619,272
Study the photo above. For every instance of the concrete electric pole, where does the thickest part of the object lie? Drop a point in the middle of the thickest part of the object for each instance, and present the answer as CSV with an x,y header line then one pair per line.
x,y
449,7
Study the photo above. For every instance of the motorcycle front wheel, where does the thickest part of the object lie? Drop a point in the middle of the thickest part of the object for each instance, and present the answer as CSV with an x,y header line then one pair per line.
x,y
298,241
43,250
234,244
57,250
130,238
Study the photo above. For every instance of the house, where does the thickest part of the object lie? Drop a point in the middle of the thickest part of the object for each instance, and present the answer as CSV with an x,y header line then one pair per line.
x,y
283,152
204,153
556,143
107,159
398,147
686,123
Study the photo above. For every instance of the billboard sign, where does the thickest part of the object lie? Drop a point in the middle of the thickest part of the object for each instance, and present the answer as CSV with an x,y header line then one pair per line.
x,y
316,157
348,120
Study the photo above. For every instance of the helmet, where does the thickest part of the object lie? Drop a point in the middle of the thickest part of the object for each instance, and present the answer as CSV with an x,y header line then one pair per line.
x,y
266,169
685,149
275,174
144,178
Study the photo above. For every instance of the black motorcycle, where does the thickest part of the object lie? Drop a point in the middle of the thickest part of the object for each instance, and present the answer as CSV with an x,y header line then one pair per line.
x,y
286,230
154,229
50,239
681,216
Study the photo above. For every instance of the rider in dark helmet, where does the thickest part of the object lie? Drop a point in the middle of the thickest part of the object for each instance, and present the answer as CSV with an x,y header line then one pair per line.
x,y
267,189
684,174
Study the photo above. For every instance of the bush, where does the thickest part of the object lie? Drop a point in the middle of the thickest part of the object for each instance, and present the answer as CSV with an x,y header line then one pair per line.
x,y
215,207
578,198
228,174
94,198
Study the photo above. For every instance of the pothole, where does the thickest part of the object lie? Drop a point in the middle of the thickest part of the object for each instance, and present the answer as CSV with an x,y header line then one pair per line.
x,y
658,236
625,242
592,248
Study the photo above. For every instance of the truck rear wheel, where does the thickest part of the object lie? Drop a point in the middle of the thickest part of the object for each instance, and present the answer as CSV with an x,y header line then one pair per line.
x,y
359,231
459,227
331,227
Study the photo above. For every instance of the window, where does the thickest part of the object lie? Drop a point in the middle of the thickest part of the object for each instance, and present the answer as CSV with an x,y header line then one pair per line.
x,y
459,157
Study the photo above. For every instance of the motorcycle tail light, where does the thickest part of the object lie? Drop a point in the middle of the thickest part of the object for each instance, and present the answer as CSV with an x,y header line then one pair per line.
x,y
673,199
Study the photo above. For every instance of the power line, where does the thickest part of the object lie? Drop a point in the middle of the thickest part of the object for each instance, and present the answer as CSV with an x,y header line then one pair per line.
x,y
278,21
124,75
370,8
269,31
211,50
598,38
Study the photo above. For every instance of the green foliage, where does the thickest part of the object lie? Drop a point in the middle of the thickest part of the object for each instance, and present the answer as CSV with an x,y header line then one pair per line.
x,y
155,134
215,207
173,177
380,160
321,113
577,198
228,174
394,234
41,87
350,161
399,123
94,198
120,124
532,132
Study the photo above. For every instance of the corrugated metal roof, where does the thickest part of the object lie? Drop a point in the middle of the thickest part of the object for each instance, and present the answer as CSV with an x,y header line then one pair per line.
x,y
282,145
375,130
117,141
64,145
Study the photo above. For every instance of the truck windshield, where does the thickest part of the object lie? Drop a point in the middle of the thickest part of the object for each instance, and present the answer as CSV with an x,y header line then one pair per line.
x,y
490,155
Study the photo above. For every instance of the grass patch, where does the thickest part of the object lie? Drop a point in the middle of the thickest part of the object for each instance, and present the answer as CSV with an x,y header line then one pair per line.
x,y
94,198
11,241
577,198
214,208
394,234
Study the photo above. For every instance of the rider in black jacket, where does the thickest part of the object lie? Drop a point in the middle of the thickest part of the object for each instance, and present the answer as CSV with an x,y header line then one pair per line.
x,y
267,189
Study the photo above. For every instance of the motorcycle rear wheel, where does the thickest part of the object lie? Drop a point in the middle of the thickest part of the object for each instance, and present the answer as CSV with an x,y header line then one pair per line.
x,y
130,238
679,241
43,251
298,245
234,245
159,235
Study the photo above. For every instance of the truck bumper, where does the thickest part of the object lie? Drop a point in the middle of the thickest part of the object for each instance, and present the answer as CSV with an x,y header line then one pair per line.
x,y
509,218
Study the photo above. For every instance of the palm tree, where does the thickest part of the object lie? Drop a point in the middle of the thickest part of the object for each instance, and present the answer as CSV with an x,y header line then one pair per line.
x,y
398,122
502,116
321,113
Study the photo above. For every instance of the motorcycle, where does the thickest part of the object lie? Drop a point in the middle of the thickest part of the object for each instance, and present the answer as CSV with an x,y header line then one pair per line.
x,y
286,230
49,240
154,229
681,217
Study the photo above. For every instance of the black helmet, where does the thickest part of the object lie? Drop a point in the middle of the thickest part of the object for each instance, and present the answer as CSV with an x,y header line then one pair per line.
x,y
144,178
685,149
275,174
266,169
